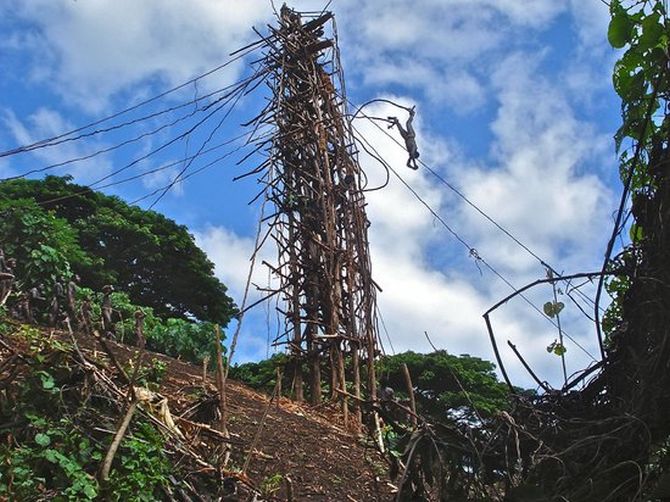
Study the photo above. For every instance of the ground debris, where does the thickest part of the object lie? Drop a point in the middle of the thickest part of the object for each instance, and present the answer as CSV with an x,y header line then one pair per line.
x,y
321,460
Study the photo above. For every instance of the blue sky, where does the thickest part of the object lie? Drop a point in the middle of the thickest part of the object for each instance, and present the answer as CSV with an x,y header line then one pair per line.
x,y
515,109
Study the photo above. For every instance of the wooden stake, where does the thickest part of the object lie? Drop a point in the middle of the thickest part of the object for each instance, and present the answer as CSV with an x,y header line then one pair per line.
x,y
221,381
205,362
118,437
357,385
410,391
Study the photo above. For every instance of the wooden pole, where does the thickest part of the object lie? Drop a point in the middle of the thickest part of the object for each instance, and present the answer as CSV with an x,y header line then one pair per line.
x,y
355,362
116,442
205,362
221,381
410,391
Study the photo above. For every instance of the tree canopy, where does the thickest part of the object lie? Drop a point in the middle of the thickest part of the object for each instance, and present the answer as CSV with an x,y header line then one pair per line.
x,y
107,241
462,387
44,246
446,385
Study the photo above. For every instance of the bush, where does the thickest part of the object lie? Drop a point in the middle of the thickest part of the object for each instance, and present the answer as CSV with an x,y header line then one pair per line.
x,y
45,246
51,456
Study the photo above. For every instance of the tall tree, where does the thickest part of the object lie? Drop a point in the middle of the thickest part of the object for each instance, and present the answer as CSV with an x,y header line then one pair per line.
x,y
151,257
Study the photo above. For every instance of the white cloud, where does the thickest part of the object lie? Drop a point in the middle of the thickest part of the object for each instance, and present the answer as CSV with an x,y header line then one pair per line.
x,y
589,77
591,20
535,188
459,89
98,49
46,123
442,48
231,254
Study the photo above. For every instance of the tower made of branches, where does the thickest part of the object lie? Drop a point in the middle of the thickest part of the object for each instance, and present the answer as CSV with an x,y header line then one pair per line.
x,y
314,184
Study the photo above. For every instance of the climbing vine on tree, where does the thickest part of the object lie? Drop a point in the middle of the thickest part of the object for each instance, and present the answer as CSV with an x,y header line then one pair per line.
x,y
640,78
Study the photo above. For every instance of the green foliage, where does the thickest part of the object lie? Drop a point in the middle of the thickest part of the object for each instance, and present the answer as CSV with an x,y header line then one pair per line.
x,y
261,375
44,245
156,371
180,338
141,467
620,27
183,339
637,75
552,309
271,485
142,252
188,340
437,378
640,79
616,287
51,457
59,459
557,348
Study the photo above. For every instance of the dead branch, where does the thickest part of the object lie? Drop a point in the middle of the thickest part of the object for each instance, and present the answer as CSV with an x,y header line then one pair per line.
x,y
116,442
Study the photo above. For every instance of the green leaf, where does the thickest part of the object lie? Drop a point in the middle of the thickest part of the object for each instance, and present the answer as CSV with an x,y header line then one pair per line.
x,y
558,307
620,30
549,309
628,85
557,348
652,30
636,233
51,456
90,491
42,439
48,382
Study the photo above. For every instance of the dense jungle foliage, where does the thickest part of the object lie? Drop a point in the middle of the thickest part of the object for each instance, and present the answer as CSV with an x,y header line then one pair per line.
x,y
152,262
106,241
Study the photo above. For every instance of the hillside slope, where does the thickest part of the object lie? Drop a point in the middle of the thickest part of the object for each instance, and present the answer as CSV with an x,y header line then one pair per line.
x,y
322,461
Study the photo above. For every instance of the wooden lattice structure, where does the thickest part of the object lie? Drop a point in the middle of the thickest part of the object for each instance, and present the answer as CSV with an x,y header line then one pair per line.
x,y
314,183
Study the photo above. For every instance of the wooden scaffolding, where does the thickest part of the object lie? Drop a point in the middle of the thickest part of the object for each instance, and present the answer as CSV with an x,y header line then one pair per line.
x,y
314,184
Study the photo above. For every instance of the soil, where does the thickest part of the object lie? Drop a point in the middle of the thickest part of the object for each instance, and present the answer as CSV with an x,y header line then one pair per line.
x,y
309,446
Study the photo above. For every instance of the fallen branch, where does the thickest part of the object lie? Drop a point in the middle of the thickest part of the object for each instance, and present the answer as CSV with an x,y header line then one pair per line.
x,y
410,392
116,442
110,354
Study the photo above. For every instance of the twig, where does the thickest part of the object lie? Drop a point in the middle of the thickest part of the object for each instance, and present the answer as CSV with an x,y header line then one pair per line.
x,y
259,430
110,354
118,437
410,391
220,381
289,488
517,292
430,341
528,368
205,362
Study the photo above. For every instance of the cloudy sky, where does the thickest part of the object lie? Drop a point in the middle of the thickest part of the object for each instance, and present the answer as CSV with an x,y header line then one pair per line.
x,y
514,110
